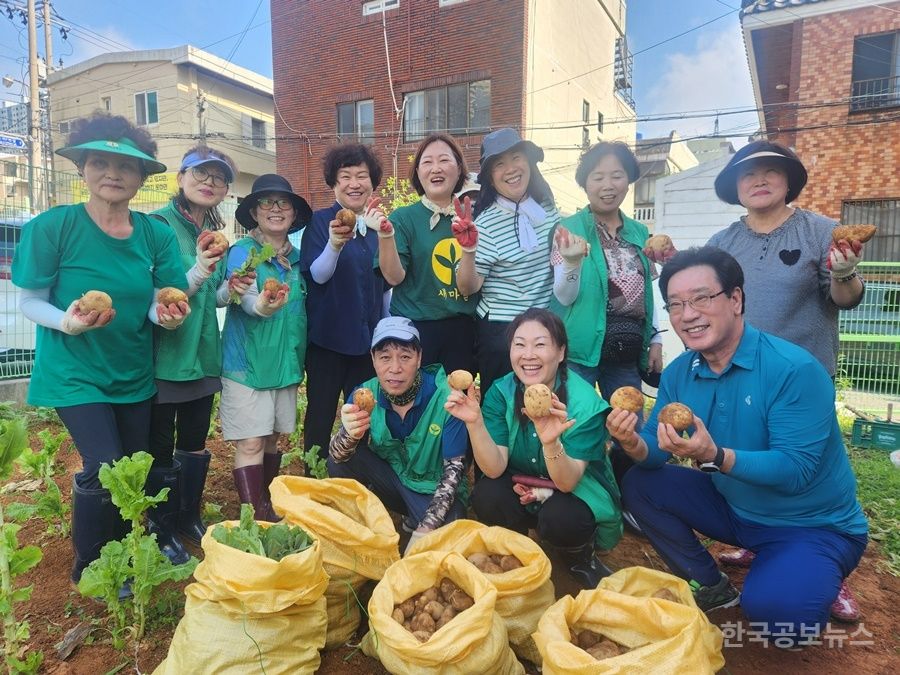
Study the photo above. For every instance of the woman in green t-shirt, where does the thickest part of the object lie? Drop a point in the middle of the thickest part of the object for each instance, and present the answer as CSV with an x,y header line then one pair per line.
x,y
189,361
418,257
548,472
94,364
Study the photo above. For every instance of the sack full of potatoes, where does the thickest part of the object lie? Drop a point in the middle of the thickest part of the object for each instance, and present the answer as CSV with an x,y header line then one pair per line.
x,y
356,533
468,635
514,564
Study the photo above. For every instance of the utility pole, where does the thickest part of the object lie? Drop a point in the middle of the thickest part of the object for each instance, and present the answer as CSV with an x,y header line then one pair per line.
x,y
34,107
48,36
49,185
201,119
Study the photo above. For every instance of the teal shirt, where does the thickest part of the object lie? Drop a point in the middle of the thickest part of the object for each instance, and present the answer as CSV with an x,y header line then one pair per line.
x,y
774,406
194,351
585,319
266,352
586,440
65,251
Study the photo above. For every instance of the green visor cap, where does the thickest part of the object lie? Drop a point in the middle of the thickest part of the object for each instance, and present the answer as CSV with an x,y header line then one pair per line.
x,y
123,146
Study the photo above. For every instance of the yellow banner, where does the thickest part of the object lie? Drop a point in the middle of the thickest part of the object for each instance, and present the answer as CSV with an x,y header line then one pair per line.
x,y
158,187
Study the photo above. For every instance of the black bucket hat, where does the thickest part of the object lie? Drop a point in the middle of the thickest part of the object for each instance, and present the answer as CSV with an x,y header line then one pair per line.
x,y
726,181
272,182
500,141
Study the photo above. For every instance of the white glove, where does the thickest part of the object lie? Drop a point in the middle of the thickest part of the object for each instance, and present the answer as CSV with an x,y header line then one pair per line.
x,y
173,316
267,305
413,538
355,421
75,323
844,257
338,235
376,220
573,248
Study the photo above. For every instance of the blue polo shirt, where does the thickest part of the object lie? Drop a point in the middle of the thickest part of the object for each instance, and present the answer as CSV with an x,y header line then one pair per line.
x,y
774,406
342,312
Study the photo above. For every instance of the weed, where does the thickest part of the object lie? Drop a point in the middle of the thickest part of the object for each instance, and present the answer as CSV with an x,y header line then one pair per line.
x,y
212,513
878,482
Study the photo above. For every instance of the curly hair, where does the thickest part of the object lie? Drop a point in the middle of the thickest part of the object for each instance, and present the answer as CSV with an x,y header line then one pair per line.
x,y
598,151
213,215
351,154
101,126
557,330
454,149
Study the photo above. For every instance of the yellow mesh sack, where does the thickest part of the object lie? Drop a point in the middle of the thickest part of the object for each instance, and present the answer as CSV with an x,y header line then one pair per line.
x,y
474,642
523,594
246,613
358,539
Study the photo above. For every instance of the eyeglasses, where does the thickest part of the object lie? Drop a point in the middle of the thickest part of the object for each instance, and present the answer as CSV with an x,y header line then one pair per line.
x,y
266,204
201,175
698,302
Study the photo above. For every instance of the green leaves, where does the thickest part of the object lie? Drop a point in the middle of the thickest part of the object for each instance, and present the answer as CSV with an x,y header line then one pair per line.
x,y
107,574
125,481
316,466
13,441
48,506
273,542
254,260
150,568
41,464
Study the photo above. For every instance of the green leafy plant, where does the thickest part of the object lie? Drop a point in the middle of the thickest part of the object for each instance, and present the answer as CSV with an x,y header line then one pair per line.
x,y
42,464
136,558
48,506
212,513
273,542
14,561
254,260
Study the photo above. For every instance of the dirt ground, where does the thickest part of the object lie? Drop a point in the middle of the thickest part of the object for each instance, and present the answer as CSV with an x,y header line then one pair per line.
x,y
870,647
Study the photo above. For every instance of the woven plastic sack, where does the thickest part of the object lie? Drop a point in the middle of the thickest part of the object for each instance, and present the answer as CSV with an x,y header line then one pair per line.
x,y
523,594
358,539
247,614
473,642
662,636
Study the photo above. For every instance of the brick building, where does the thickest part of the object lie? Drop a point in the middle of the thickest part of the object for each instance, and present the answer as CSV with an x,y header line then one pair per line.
x,y
827,75
467,66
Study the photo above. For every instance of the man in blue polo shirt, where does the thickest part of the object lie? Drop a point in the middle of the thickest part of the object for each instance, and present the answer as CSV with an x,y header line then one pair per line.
x,y
774,476
409,451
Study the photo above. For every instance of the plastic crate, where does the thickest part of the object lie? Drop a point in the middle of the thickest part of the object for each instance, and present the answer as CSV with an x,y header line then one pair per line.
x,y
883,435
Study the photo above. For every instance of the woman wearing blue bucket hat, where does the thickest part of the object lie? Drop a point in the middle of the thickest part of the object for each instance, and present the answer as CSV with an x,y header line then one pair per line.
x,y
94,362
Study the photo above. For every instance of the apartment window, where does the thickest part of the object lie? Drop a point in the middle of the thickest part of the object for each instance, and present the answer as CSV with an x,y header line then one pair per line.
x,y
257,133
357,119
106,103
885,213
622,67
146,110
876,72
64,127
459,109
586,118
379,6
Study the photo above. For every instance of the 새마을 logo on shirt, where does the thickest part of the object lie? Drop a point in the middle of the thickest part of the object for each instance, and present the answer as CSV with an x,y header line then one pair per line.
x,y
434,429
444,257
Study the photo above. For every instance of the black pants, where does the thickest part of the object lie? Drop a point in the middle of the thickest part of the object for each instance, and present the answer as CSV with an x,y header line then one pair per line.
x,y
328,374
564,520
105,432
188,422
493,352
450,342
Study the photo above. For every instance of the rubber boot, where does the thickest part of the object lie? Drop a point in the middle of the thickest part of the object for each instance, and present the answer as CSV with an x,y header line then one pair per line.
x,y
583,565
194,467
271,467
95,522
249,483
162,519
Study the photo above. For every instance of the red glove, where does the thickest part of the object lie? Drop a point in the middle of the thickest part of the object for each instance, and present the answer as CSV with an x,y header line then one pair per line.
x,y
463,227
844,256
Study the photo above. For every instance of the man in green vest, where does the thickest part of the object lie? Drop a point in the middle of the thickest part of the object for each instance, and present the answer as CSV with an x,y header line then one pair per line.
x,y
409,451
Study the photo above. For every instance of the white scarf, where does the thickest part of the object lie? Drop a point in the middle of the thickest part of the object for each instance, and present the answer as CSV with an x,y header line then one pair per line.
x,y
529,214
437,211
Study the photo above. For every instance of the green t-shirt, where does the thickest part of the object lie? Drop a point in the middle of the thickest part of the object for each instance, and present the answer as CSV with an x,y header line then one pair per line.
x,y
266,353
194,351
430,258
586,441
64,250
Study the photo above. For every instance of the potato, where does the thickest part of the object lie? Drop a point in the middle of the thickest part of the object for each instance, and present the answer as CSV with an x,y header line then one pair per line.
x,y
398,615
659,243
434,608
492,568
272,286
94,301
445,617
422,621
538,399
678,415
408,607
430,594
495,558
219,242
460,379
479,560
586,638
346,217
171,296
665,594
422,635
461,600
448,587
860,233
627,398
510,562
364,399
605,649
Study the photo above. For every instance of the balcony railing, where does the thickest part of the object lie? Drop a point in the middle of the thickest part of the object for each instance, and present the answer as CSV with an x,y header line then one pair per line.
x,y
882,92
645,214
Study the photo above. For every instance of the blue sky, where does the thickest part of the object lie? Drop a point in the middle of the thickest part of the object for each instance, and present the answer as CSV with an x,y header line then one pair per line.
x,y
706,69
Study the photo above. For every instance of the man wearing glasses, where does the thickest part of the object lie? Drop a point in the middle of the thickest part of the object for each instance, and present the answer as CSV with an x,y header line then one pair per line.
x,y
774,476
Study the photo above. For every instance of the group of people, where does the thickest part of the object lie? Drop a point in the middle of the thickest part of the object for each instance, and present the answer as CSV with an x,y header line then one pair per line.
x,y
508,290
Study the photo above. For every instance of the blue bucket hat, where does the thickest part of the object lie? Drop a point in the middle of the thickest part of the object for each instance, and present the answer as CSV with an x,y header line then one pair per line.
x,y
196,159
500,141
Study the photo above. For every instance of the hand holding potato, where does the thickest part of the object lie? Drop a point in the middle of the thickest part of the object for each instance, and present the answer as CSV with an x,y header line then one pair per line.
x,y
79,319
172,308
210,249
844,256
464,405
356,422
659,248
340,230
622,426
571,247
699,447
550,427
376,220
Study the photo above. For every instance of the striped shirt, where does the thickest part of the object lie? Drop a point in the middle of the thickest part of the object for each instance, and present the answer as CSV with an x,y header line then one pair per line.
x,y
513,279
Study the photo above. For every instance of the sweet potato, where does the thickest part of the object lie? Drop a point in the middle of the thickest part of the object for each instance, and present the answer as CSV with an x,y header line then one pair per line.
x,y
860,233
627,398
460,380
364,399
538,399
171,296
94,301
678,415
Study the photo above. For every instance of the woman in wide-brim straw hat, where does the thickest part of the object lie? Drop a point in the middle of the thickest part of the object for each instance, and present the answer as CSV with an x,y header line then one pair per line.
x,y
95,366
796,279
505,244
264,339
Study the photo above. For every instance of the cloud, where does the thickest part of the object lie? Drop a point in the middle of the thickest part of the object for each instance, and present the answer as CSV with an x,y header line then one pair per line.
x,y
715,75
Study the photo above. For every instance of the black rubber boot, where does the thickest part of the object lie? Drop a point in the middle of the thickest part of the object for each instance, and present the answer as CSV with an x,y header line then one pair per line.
x,y
194,467
584,566
95,521
162,519
271,467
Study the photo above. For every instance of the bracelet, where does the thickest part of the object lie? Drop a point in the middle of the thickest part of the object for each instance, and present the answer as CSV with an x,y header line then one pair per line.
x,y
559,454
843,280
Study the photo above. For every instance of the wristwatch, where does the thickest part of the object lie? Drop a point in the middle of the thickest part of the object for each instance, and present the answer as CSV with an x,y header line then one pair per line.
x,y
715,466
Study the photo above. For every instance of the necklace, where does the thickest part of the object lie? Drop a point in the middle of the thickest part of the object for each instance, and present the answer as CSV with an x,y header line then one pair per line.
x,y
409,395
